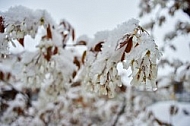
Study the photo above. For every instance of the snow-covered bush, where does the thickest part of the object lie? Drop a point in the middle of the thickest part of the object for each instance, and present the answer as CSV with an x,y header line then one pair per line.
x,y
49,86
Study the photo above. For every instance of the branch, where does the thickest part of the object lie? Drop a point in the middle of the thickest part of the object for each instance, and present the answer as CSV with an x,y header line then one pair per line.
x,y
122,110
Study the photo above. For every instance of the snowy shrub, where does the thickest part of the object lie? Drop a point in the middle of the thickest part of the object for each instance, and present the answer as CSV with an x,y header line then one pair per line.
x,y
48,85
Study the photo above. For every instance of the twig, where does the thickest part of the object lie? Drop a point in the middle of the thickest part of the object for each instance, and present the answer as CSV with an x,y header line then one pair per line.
x,y
122,110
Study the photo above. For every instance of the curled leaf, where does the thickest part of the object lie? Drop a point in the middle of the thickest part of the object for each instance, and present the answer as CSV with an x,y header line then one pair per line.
x,y
98,47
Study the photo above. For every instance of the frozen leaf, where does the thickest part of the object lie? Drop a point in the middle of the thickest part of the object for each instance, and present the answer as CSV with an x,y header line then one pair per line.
x,y
73,34
123,56
49,34
76,62
98,47
21,41
49,52
2,27
81,43
123,41
74,74
129,45
83,57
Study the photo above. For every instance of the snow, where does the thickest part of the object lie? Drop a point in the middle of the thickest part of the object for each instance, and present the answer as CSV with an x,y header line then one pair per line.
x,y
161,110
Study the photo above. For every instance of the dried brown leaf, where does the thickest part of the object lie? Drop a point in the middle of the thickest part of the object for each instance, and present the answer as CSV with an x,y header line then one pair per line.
x,y
83,57
98,47
18,110
73,34
55,51
123,41
49,52
2,27
48,55
81,42
76,62
21,41
161,123
129,45
76,84
74,74
123,56
1,75
49,34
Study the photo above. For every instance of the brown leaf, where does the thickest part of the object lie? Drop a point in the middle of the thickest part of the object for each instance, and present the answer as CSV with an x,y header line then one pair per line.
x,y
64,38
123,41
98,47
18,110
123,56
55,51
129,45
1,75
49,34
76,62
2,27
48,55
161,123
81,43
74,74
136,44
73,34
8,76
76,84
21,41
83,57
50,52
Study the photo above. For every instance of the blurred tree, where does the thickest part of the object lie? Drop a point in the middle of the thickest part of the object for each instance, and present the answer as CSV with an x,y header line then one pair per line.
x,y
162,10
177,82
